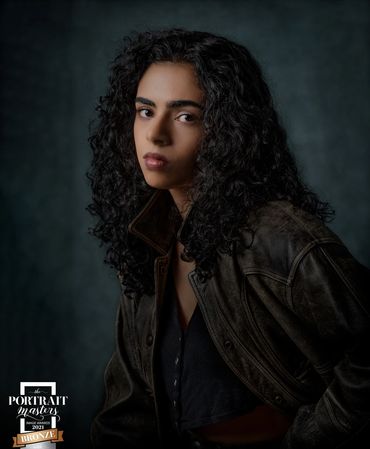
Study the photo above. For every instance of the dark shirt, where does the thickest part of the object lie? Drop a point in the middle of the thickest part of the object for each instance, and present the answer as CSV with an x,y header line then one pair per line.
x,y
199,386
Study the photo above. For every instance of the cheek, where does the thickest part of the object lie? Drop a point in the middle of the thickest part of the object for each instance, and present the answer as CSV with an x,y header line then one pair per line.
x,y
186,163
138,137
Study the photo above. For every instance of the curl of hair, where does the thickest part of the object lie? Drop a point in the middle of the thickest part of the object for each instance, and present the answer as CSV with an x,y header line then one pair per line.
x,y
244,160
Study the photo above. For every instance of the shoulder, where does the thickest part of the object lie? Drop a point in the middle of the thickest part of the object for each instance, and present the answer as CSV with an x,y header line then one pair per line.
x,y
278,234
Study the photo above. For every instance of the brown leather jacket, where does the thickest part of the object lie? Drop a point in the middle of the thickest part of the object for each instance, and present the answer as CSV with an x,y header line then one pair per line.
x,y
289,315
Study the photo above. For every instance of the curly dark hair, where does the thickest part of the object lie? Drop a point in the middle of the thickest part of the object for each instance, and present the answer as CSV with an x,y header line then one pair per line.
x,y
244,160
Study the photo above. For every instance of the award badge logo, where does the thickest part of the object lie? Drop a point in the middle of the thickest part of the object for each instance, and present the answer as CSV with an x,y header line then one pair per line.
x,y
38,414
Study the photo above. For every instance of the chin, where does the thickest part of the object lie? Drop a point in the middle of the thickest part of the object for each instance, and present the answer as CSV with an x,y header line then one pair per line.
x,y
157,183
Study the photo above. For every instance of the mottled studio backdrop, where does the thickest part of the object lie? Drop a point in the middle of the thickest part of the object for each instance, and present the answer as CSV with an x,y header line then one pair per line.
x,y
58,300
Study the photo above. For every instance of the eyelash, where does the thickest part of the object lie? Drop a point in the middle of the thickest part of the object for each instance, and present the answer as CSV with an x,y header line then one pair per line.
x,y
181,115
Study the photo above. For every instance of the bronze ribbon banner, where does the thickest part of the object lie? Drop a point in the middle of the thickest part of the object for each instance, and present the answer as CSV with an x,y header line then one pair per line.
x,y
53,435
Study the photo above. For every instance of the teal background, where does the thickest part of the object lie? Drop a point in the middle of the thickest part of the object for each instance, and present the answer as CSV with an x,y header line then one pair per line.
x,y
58,299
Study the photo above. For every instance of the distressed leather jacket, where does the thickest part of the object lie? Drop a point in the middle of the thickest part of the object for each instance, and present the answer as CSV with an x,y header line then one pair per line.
x,y
289,316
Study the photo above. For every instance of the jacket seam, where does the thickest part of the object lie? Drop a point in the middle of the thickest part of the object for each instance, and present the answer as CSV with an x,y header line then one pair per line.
x,y
267,273
298,259
332,415
128,317
344,279
296,220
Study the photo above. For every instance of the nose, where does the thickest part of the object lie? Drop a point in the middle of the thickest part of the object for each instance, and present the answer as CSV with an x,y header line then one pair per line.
x,y
158,131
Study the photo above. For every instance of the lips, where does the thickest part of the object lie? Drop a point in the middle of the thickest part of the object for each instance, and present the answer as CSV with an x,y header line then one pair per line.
x,y
155,160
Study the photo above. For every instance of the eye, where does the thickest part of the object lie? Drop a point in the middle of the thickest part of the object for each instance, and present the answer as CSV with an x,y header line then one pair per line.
x,y
144,112
186,118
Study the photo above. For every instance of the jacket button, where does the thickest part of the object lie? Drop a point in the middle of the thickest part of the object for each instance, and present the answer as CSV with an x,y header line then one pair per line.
x,y
149,340
228,344
278,399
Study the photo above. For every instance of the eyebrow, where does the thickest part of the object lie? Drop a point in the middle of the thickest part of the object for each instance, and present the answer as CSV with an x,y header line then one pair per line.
x,y
170,104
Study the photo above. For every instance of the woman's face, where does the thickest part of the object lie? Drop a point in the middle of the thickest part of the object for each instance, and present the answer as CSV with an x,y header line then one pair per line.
x,y
168,124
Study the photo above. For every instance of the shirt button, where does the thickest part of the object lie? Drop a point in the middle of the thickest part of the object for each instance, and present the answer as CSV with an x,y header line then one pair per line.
x,y
177,361
174,403
149,340
175,382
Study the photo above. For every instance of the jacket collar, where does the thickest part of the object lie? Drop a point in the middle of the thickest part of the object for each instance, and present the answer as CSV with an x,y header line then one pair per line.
x,y
159,223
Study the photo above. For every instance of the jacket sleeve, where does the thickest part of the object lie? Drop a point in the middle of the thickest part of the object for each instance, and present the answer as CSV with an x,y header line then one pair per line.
x,y
127,419
329,292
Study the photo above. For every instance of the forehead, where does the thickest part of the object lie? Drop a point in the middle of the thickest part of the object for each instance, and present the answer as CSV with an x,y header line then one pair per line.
x,y
170,80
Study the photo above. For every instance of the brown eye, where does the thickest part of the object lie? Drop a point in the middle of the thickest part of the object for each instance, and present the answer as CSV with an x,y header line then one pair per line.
x,y
186,118
144,112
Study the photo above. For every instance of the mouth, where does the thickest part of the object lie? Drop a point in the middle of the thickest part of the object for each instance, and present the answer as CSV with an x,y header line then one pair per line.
x,y
154,161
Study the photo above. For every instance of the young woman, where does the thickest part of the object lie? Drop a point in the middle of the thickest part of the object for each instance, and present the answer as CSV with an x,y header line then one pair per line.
x,y
243,320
